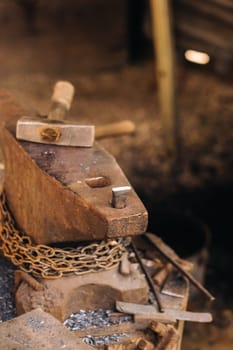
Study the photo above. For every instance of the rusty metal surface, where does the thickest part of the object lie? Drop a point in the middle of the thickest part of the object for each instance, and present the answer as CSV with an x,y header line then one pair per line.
x,y
52,199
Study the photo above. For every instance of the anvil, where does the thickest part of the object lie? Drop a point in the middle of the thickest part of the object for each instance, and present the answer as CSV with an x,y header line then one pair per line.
x,y
61,194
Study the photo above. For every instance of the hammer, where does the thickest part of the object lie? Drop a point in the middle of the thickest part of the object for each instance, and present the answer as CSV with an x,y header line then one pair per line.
x,y
53,129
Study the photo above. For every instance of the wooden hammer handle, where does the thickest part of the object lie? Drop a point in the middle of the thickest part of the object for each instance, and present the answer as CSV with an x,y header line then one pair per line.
x,y
61,100
115,129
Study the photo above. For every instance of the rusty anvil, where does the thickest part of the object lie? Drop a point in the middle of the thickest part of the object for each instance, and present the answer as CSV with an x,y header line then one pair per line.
x,y
59,193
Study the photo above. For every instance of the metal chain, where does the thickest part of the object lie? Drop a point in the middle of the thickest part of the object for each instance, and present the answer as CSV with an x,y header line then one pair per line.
x,y
43,261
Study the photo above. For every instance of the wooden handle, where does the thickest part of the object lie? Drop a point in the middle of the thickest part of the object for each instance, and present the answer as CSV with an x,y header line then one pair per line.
x,y
61,100
115,129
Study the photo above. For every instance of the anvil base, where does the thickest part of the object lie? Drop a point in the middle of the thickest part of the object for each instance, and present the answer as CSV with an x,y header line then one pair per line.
x,y
92,291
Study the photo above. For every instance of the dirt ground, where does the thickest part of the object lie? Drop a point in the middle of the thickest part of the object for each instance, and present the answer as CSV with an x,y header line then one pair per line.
x,y
87,45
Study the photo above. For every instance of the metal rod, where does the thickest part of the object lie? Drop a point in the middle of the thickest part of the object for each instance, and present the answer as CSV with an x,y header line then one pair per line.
x,y
180,268
148,278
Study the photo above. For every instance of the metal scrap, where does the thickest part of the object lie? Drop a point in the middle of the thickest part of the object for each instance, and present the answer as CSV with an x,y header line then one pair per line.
x,y
97,318
105,340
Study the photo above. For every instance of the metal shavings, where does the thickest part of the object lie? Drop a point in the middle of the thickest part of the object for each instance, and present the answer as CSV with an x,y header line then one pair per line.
x,y
96,318
106,340
7,307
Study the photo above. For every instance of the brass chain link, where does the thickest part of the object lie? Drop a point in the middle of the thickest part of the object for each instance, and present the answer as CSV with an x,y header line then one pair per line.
x,y
43,261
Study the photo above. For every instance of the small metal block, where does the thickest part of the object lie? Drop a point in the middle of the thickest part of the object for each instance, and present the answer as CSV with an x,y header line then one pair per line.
x,y
119,196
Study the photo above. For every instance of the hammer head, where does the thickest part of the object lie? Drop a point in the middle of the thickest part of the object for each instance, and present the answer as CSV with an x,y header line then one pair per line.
x,y
54,130
43,130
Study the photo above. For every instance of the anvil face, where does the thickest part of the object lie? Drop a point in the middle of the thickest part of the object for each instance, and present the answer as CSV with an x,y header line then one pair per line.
x,y
60,194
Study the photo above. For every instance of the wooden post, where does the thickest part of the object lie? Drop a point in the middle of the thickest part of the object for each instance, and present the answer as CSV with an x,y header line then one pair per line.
x,y
164,52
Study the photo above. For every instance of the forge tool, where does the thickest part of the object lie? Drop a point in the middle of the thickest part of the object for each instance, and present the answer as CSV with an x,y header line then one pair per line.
x,y
53,129
150,312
